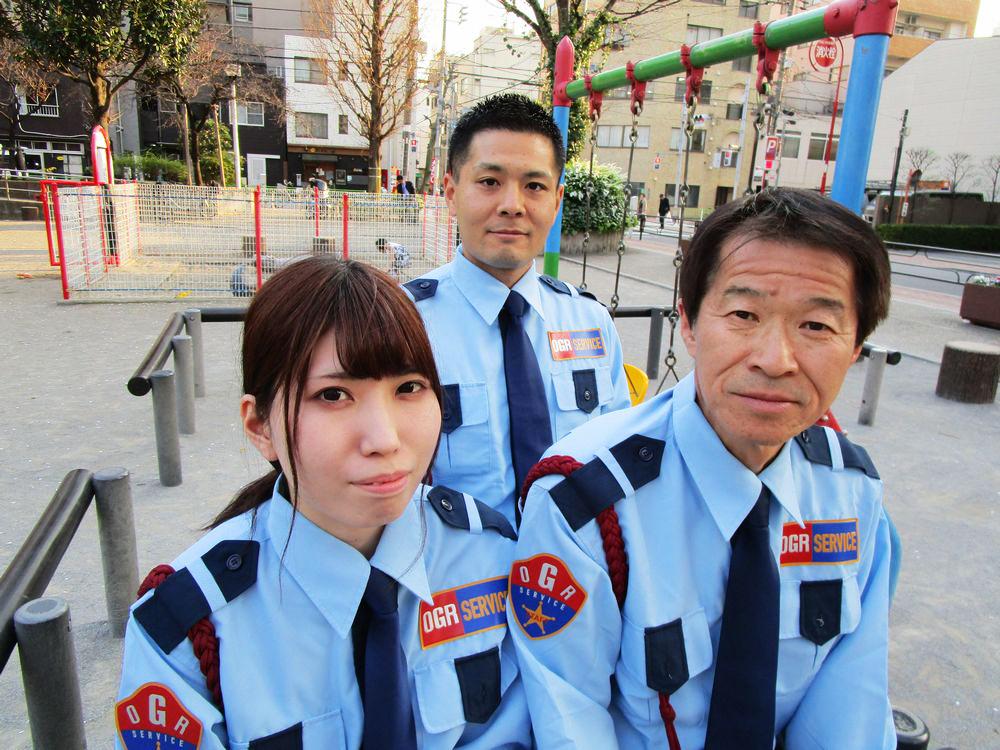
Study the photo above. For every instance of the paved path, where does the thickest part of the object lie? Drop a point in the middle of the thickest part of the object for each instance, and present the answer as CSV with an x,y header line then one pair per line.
x,y
64,371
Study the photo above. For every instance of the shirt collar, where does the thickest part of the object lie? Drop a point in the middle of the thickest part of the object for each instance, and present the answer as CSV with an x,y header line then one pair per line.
x,y
487,294
332,573
728,487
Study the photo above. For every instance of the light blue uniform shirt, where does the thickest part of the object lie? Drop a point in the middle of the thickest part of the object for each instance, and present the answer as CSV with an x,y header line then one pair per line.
x,y
286,655
579,356
683,495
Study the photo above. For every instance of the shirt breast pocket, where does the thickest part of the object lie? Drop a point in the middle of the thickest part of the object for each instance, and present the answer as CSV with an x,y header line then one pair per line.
x,y
664,658
465,426
580,394
464,690
318,733
814,614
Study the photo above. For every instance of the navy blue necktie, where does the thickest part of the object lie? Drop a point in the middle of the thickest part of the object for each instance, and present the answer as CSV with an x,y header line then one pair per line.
x,y
530,432
746,668
385,689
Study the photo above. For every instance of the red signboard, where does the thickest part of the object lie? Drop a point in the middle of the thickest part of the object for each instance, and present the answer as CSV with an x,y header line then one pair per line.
x,y
823,53
770,152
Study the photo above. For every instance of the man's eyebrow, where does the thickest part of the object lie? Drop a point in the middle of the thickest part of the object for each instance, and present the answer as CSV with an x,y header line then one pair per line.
x,y
828,303
533,174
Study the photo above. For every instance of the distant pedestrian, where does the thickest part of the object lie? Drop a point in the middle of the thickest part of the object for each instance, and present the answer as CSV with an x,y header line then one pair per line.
x,y
664,208
399,256
641,213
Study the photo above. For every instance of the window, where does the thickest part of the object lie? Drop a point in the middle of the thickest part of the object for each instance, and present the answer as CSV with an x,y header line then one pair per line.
x,y
932,34
734,111
817,146
697,34
168,106
48,107
790,144
694,192
308,70
342,127
697,140
748,9
242,13
341,70
712,2
310,125
250,113
615,36
680,89
744,64
617,136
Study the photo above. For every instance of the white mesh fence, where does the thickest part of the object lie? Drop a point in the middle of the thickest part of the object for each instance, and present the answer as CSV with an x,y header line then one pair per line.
x,y
156,241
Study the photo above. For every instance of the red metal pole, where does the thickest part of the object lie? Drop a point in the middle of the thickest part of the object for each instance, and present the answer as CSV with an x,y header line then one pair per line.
x,y
258,239
44,195
833,120
346,253
316,207
59,240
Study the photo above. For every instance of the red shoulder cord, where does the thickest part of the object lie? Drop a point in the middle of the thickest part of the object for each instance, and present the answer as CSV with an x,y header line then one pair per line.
x,y
614,553
202,635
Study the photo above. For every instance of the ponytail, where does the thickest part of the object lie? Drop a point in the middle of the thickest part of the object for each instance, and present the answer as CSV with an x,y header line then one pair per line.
x,y
250,497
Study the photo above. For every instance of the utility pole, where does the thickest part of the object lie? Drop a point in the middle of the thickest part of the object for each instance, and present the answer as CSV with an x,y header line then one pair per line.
x,y
895,167
233,71
743,133
432,141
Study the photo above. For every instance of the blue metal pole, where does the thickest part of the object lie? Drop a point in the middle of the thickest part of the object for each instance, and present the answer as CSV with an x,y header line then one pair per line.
x,y
858,127
560,115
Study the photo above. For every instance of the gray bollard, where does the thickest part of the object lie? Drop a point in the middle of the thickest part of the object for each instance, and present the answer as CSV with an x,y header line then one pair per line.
x,y
655,343
874,371
48,670
116,526
184,373
168,440
192,322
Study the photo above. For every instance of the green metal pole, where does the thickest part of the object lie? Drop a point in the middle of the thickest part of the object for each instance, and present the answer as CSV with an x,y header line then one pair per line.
x,y
785,32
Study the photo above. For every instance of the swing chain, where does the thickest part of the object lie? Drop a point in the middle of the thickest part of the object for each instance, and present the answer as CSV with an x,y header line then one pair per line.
x,y
589,191
633,137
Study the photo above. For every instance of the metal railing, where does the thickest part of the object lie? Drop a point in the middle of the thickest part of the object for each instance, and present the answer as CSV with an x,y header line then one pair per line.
x,y
39,626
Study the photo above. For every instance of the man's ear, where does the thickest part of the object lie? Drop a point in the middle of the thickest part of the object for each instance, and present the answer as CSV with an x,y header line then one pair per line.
x,y
257,429
449,183
687,329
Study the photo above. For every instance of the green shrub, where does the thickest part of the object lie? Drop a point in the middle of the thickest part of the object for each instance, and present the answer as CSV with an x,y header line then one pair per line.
x,y
209,151
151,163
980,238
607,200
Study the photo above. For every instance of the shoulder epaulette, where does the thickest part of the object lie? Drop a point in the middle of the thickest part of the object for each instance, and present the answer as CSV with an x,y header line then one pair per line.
x,y
588,295
455,510
179,602
586,492
555,284
815,444
422,289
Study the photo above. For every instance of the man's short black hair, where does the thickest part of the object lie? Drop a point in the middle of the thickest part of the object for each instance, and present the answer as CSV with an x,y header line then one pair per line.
x,y
514,112
399,177
803,217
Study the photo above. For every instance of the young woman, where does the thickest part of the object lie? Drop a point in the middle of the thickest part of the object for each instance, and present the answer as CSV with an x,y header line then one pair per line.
x,y
337,602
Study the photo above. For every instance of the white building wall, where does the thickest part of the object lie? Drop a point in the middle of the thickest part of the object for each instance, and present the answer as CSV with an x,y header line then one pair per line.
x,y
952,90
316,98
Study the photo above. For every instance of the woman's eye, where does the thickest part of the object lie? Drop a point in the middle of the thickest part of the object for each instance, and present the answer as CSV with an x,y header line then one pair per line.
x,y
332,395
411,386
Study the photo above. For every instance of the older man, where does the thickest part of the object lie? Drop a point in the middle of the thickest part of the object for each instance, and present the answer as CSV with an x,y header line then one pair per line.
x,y
712,570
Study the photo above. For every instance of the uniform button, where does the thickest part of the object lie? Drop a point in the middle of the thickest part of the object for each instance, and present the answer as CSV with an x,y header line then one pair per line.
x,y
820,623
446,415
806,438
424,284
587,395
234,562
446,504
645,453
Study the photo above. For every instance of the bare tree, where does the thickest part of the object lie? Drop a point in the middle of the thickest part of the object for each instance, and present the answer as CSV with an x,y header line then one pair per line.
x,y
958,164
369,49
990,168
202,80
921,158
589,26
20,80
